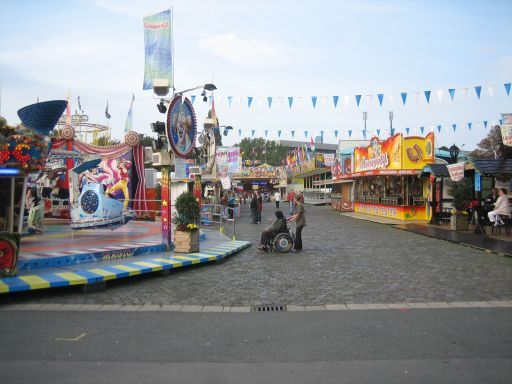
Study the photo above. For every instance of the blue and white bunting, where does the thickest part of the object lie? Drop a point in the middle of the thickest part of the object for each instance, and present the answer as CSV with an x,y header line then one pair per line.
x,y
485,123
193,98
322,133
454,126
378,132
451,91
439,128
336,134
422,129
266,132
404,97
336,98
470,125
313,100
427,96
349,133
358,99
249,101
306,134
279,134
380,96
230,99
478,90
269,100
252,132
364,133
392,131
239,132
407,130
293,133
507,88
290,101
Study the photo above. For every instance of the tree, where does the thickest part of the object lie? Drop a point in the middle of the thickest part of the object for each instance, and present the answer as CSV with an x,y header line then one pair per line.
x,y
261,151
492,146
103,141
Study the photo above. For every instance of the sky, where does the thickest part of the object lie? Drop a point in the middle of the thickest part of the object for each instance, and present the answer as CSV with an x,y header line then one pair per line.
x,y
95,49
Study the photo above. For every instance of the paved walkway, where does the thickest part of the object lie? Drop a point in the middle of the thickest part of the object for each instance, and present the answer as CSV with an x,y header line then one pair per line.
x,y
345,261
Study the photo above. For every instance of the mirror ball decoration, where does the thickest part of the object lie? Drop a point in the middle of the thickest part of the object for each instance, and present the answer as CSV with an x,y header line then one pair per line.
x,y
89,202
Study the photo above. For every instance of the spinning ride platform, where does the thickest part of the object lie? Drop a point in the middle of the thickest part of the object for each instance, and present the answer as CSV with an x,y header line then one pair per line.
x,y
59,245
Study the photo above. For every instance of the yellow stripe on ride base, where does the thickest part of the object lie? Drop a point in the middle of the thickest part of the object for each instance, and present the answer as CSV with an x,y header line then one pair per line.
x,y
73,278
3,287
35,282
192,259
107,275
173,262
154,267
132,271
203,255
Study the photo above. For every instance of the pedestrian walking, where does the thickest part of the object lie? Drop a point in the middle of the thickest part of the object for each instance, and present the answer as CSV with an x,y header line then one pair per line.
x,y
260,206
231,205
300,222
291,201
277,199
254,209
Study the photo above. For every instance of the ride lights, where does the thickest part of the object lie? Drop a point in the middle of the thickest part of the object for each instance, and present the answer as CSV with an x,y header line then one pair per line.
x,y
158,127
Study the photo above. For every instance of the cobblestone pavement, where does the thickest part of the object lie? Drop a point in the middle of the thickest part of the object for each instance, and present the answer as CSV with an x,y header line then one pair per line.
x,y
345,260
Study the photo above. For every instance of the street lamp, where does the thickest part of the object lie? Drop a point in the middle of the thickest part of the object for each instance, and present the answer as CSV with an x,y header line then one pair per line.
x,y
204,87
391,122
454,153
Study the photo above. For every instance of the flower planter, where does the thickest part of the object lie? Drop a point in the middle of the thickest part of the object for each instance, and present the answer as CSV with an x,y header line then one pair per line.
x,y
459,222
186,241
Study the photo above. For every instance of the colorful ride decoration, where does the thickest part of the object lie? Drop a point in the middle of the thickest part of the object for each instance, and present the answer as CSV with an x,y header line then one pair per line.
x,y
9,249
181,128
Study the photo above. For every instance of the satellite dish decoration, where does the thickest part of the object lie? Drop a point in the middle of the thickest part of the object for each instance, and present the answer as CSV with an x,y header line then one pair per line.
x,y
181,126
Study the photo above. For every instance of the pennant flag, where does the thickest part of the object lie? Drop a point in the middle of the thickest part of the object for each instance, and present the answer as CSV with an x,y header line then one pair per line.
x,y
79,105
290,101
451,91
312,144
490,88
239,132
306,134
193,98
478,89
407,130
358,99
129,119
313,100
391,99
464,92
269,100
404,96
364,133
392,131
380,96
427,96
335,99
378,132
454,126
266,132
507,88
249,101
293,133
252,132
346,99
416,97
336,134
324,101
107,115
422,129
438,128
279,134
369,99
469,125
485,123
230,99
440,95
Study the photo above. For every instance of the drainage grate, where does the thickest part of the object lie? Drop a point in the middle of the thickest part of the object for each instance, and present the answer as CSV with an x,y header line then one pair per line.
x,y
268,308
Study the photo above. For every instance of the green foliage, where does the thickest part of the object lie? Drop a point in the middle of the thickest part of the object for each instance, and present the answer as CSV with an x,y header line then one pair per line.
x,y
462,193
187,210
492,146
146,140
260,151
105,140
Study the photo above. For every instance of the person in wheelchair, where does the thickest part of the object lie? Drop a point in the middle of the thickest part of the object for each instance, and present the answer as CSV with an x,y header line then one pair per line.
x,y
279,226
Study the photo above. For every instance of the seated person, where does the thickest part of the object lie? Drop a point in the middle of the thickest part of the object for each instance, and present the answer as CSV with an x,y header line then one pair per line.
x,y
279,226
501,209
491,199
36,216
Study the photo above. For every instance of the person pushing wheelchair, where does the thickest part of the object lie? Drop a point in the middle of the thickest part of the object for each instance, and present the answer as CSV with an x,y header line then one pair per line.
x,y
279,226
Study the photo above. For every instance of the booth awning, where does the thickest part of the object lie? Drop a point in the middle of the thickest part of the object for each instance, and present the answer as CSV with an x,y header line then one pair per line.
x,y
331,181
492,167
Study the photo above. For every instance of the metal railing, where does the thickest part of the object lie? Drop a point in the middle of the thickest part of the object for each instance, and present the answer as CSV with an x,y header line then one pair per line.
x,y
222,216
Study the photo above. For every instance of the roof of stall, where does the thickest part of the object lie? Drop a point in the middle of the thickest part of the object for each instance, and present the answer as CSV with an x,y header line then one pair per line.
x,y
438,170
493,167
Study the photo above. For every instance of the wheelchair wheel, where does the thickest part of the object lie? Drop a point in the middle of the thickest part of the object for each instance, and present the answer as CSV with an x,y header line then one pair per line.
x,y
283,243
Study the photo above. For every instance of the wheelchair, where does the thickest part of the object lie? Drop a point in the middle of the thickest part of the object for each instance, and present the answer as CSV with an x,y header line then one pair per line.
x,y
281,242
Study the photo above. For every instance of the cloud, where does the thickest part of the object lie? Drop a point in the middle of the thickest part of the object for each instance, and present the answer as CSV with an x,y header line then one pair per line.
x,y
250,52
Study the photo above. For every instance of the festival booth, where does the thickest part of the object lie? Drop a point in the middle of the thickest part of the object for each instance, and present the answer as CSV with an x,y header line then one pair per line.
x,y
262,178
312,175
342,189
385,177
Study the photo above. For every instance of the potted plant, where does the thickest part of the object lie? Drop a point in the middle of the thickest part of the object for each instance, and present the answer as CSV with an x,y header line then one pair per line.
x,y
186,236
462,194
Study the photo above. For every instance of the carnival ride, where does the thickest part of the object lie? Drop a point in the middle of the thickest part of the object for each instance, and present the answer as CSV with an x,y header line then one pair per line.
x,y
84,130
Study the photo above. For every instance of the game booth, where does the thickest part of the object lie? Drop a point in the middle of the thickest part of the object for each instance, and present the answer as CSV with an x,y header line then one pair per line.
x,y
382,179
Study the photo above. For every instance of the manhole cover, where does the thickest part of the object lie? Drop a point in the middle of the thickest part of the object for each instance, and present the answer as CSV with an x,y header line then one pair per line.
x,y
268,308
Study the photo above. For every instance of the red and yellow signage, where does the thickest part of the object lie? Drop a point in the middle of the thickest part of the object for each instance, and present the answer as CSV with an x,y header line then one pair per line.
x,y
399,212
379,154
395,153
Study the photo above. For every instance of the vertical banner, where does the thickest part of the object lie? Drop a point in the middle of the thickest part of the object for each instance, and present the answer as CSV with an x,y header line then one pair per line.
x,y
158,48
166,209
478,182
506,129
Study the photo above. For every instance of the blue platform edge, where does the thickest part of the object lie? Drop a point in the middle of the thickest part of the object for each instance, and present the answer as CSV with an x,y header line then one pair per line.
x,y
89,257
104,271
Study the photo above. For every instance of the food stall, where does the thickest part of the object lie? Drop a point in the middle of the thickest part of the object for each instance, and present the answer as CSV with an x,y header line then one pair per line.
x,y
385,177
